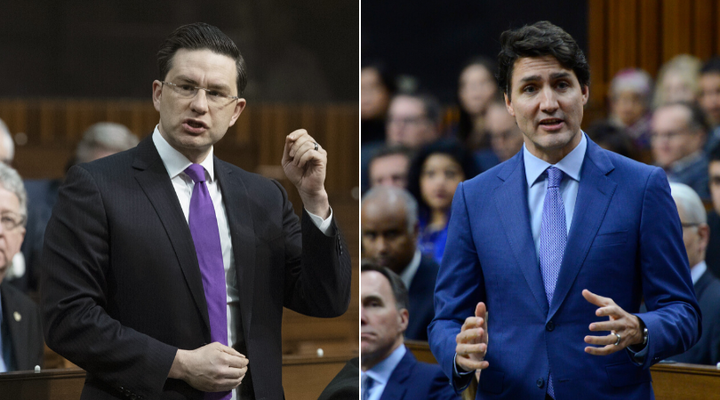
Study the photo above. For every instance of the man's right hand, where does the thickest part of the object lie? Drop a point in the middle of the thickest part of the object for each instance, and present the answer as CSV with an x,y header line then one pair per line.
x,y
211,368
472,341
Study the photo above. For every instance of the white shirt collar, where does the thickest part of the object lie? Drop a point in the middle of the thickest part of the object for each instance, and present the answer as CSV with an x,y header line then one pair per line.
x,y
697,271
381,371
409,272
175,162
570,164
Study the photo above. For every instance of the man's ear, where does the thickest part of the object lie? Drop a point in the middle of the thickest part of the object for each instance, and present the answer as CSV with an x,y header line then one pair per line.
x,y
508,105
585,90
404,316
239,107
157,94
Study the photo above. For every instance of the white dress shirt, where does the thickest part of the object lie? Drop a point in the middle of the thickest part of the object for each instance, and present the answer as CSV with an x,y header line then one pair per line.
x,y
175,165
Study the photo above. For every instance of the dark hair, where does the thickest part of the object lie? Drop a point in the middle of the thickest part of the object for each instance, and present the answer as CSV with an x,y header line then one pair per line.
x,y
465,121
711,66
612,137
537,40
714,154
396,284
449,147
199,36
431,105
387,76
697,115
391,150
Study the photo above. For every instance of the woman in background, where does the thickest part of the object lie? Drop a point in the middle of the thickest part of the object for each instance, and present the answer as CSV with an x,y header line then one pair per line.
x,y
434,175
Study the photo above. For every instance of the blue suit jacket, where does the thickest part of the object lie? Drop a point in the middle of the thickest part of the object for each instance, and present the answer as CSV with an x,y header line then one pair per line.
x,y
421,299
707,350
625,242
414,380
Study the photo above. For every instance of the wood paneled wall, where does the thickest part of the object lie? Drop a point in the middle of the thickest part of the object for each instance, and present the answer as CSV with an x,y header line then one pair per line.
x,y
645,34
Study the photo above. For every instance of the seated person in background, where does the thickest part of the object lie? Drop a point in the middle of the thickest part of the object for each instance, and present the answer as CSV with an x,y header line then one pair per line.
x,y
707,286
434,175
413,121
389,166
712,257
679,131
506,137
389,226
477,88
377,86
612,137
677,81
709,99
99,140
21,337
630,95
389,370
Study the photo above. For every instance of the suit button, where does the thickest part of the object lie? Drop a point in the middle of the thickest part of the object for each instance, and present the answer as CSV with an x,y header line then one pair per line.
x,y
550,326
540,383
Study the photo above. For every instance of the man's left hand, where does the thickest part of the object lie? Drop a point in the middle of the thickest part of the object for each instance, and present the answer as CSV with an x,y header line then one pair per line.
x,y
305,164
621,323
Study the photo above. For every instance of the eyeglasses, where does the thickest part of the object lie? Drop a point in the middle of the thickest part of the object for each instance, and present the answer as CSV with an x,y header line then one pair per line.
x,y
189,91
668,135
11,220
414,121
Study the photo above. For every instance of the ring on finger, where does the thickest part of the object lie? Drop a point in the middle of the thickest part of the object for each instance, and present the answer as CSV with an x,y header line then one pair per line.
x,y
317,146
618,339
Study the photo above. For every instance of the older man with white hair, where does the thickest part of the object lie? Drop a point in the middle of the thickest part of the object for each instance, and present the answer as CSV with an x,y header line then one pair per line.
x,y
707,287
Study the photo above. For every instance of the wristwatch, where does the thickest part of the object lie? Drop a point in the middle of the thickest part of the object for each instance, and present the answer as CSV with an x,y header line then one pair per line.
x,y
645,336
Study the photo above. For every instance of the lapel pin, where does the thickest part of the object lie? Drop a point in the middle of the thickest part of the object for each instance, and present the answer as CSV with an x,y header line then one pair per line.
x,y
17,316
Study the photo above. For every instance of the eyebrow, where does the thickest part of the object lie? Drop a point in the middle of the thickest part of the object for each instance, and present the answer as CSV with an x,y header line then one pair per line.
x,y
372,297
553,76
216,86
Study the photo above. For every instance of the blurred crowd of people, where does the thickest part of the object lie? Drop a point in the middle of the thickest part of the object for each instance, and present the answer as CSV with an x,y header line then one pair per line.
x,y
416,151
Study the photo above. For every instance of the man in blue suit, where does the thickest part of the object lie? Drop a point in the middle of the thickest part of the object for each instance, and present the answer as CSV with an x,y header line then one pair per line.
x,y
551,252
389,370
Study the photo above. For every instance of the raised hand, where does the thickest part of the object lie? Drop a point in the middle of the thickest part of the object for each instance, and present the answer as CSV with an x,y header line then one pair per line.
x,y
625,328
472,341
305,164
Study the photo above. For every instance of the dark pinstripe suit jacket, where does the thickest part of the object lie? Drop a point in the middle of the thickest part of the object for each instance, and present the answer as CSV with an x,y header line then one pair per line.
x,y
121,288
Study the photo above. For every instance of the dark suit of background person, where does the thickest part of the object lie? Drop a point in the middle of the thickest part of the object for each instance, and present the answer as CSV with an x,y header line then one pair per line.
x,y
344,385
412,380
22,336
624,243
421,293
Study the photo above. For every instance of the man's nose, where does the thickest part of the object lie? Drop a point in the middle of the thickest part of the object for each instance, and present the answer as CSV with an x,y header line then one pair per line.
x,y
199,103
548,100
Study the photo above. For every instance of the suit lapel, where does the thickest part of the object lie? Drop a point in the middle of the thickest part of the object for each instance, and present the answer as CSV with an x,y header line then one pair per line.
x,y
515,217
593,198
396,387
242,233
155,183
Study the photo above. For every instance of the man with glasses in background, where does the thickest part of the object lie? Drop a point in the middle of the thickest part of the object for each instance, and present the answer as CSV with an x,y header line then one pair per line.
x,y
167,269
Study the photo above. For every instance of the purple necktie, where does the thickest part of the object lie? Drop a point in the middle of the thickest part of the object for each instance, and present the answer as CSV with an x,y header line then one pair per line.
x,y
553,237
205,234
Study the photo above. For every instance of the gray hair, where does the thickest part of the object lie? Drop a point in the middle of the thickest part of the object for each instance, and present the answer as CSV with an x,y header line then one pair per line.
x,y
11,181
7,141
389,195
687,199
104,135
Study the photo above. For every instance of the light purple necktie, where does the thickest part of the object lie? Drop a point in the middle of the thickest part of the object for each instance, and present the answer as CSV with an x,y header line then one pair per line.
x,y
553,237
205,234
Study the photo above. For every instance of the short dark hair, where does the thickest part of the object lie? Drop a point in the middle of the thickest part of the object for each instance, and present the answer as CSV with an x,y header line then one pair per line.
x,y
391,150
199,36
697,115
538,40
612,137
433,111
711,66
714,154
387,75
397,286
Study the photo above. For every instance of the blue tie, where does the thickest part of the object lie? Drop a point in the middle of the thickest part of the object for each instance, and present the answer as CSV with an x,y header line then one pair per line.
x,y
553,237
367,383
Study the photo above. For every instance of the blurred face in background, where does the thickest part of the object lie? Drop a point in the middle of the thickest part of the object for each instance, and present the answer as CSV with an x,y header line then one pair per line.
x,y
672,136
381,324
10,239
695,237
439,178
676,88
628,106
709,99
386,237
390,170
506,138
374,96
476,89
714,175
408,123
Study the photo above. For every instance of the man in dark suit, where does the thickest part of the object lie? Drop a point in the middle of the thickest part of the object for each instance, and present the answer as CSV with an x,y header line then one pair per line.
x,y
389,226
21,338
551,251
389,370
155,252
707,287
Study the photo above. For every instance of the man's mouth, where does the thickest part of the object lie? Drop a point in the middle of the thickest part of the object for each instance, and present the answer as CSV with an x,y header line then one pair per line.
x,y
552,124
194,126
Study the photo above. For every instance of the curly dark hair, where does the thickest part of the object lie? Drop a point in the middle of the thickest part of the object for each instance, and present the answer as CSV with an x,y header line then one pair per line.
x,y
538,40
449,147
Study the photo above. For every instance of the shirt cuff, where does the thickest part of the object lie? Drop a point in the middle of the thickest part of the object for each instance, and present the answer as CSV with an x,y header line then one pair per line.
x,y
639,356
325,225
463,378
